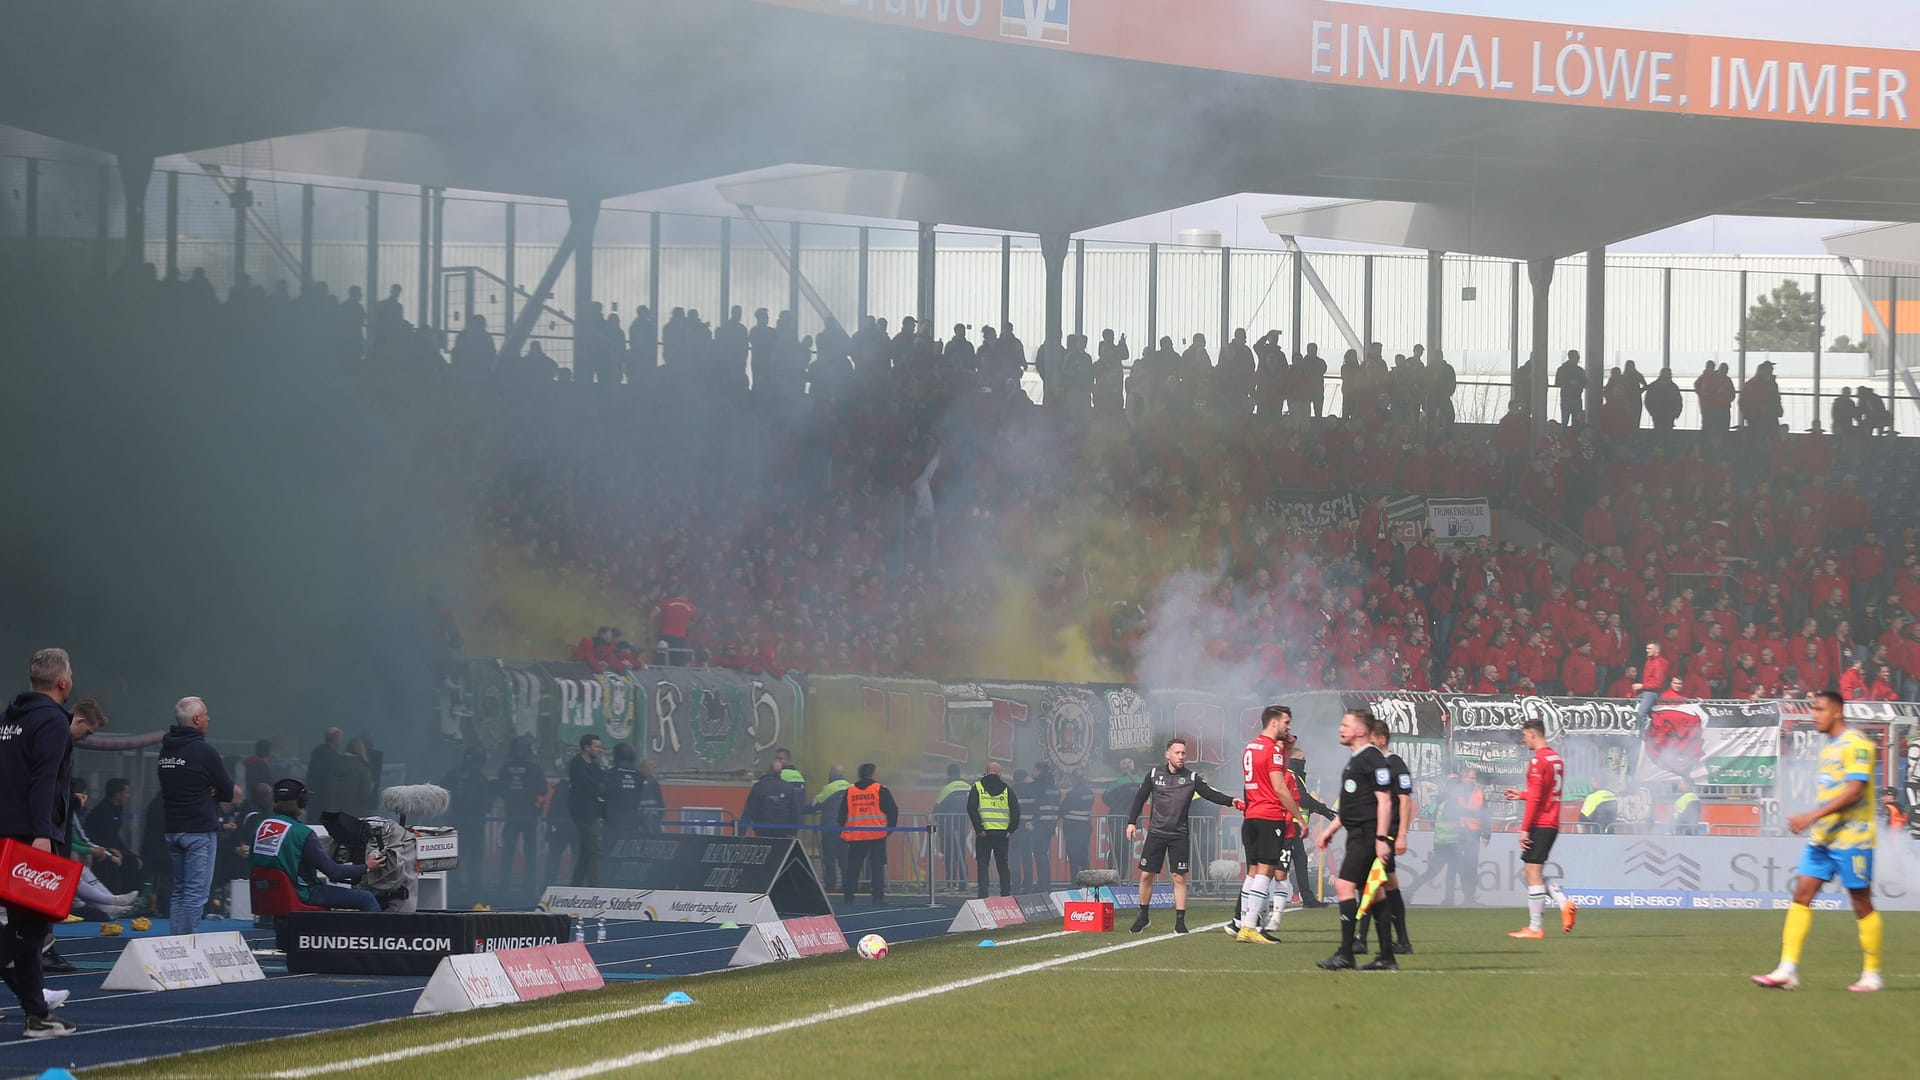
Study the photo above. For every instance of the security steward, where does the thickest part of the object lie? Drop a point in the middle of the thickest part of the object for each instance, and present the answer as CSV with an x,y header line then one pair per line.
x,y
994,810
865,816
1599,810
950,816
826,806
281,842
1686,810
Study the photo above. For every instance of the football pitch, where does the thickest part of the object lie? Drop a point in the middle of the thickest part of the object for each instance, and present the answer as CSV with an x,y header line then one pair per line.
x,y
1628,994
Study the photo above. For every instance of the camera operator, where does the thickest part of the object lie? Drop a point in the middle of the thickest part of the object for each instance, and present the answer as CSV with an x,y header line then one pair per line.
x,y
282,843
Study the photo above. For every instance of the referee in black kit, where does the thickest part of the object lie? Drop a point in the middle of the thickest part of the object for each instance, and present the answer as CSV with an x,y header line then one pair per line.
x,y
1366,812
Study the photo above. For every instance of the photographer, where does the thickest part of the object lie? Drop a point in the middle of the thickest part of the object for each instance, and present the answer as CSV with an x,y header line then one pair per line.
x,y
282,843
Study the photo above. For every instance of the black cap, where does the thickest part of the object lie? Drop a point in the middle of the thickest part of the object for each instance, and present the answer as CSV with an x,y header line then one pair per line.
x,y
287,789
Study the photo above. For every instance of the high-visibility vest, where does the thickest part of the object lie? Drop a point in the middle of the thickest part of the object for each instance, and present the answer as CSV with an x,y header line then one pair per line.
x,y
1595,801
995,810
1685,802
954,787
865,821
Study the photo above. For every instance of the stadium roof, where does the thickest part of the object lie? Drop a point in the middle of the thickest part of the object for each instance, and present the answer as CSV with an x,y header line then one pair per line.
x,y
1045,118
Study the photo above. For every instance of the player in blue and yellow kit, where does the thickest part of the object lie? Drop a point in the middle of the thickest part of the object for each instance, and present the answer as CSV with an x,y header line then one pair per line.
x,y
1839,845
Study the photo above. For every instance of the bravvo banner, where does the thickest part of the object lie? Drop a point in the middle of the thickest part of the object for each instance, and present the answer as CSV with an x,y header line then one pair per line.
x,y
690,721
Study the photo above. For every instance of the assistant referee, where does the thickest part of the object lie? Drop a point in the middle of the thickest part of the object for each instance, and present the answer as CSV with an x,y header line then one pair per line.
x,y
1366,812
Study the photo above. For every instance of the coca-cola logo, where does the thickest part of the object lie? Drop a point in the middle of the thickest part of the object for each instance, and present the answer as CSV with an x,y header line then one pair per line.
x,y
1081,916
46,880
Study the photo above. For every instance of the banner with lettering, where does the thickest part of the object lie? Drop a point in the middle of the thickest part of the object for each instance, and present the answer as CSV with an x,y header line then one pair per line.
x,y
1712,742
706,722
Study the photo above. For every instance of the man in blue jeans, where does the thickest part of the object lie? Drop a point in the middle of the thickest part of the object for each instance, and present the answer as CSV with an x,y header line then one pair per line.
x,y
193,782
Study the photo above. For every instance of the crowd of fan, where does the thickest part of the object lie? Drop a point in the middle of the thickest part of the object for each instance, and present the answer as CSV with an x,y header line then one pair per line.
x,y
889,503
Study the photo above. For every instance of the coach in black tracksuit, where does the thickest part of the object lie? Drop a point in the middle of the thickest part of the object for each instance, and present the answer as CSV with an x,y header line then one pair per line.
x,y
1169,790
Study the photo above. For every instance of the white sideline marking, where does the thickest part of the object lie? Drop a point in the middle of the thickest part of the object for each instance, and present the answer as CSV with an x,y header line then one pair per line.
x,y
223,1015
645,1057
1036,937
462,1043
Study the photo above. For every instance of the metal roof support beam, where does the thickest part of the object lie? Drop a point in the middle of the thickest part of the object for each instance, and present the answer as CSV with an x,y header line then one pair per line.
x,y
786,261
135,172
530,313
925,271
1540,276
1596,331
1053,249
1326,298
583,217
1436,323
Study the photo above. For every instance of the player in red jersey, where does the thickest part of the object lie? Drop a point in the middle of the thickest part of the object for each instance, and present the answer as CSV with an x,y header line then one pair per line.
x,y
1540,827
1271,807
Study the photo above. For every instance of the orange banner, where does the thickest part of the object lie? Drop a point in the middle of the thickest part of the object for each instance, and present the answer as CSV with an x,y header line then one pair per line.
x,y
1460,55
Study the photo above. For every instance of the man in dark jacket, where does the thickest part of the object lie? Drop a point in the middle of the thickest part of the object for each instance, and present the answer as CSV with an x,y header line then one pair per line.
x,y
472,794
771,808
193,782
320,766
36,769
994,810
586,805
866,812
521,785
949,820
1076,824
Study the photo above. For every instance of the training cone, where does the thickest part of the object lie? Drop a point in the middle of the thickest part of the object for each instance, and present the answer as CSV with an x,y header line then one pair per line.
x,y
986,943
729,925
56,1074
676,998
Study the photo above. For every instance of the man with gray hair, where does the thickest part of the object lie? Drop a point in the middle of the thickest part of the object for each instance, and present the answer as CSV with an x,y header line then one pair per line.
x,y
36,769
193,781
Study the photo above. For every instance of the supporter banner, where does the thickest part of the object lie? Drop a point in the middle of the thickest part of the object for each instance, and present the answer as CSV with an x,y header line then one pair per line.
x,y
1673,872
1313,513
1418,723
1459,519
690,721
1712,742
1448,53
657,905
922,726
1800,745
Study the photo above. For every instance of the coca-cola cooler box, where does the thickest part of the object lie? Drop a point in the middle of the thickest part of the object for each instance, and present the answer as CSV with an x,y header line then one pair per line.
x,y
38,881
1090,916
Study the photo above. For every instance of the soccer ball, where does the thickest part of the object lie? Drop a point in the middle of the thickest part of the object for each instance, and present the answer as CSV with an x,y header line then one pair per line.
x,y
872,947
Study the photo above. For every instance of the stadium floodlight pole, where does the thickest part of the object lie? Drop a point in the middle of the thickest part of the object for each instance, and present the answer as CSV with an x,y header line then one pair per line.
x,y
1436,308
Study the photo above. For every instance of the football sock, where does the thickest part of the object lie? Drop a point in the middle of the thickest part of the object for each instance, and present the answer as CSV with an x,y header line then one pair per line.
x,y
1349,915
1554,893
1870,942
1386,936
1252,895
1277,902
1536,903
1398,907
1799,921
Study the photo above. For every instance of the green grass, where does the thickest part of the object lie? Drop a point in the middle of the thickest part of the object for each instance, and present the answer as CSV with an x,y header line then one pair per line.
x,y
1640,995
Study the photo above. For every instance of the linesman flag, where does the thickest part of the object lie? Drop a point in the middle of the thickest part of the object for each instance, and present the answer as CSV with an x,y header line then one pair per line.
x,y
1376,880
